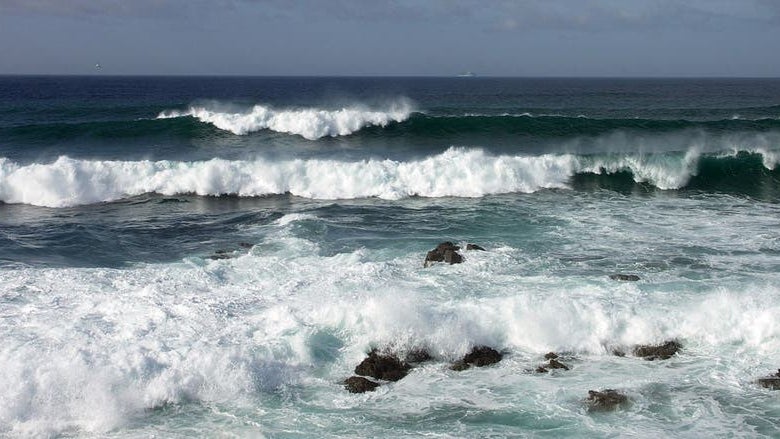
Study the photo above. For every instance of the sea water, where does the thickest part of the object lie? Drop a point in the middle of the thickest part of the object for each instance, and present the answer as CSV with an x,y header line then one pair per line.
x,y
212,257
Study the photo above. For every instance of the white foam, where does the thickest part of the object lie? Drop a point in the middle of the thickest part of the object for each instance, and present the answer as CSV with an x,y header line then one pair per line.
x,y
457,172
310,123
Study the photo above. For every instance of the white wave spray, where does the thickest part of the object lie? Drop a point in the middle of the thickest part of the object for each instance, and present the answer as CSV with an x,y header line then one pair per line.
x,y
457,172
310,123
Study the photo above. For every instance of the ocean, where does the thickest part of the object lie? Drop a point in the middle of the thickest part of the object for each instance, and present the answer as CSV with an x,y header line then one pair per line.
x,y
213,257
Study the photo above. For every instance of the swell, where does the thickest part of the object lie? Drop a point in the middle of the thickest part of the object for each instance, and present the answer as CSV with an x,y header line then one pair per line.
x,y
457,172
108,130
526,124
315,124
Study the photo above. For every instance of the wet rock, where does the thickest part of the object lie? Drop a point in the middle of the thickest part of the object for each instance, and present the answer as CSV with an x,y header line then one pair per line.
x,y
383,367
479,356
552,364
624,277
605,400
771,382
360,385
444,252
658,352
459,366
618,352
245,245
474,247
418,356
550,356
221,254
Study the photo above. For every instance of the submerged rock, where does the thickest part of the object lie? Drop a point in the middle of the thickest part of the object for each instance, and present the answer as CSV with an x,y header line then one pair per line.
x,y
624,277
605,400
360,385
771,382
479,356
383,367
444,252
552,364
474,247
658,352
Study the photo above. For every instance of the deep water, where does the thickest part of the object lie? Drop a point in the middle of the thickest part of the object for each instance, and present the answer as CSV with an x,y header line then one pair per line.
x,y
190,257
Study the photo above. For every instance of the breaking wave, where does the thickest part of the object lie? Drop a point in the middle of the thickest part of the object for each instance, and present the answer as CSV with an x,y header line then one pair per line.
x,y
457,172
310,123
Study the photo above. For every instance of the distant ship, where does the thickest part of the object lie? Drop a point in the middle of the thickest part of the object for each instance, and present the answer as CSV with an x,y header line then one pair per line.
x,y
466,75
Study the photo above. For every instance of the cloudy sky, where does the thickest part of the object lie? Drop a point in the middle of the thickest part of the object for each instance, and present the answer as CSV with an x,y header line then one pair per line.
x,y
392,37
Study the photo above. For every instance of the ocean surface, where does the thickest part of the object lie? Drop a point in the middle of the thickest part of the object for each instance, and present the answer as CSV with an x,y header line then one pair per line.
x,y
212,257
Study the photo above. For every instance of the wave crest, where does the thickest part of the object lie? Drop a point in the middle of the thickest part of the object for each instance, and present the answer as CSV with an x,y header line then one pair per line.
x,y
309,123
457,172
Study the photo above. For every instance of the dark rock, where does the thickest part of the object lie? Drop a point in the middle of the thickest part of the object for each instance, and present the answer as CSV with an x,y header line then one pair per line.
x,y
459,366
552,364
618,353
452,257
624,277
360,385
418,356
245,245
444,252
482,356
657,352
220,254
550,356
474,247
605,400
771,382
383,367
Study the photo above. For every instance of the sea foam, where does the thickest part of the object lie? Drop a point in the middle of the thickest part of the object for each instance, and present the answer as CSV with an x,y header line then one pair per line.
x,y
456,172
309,123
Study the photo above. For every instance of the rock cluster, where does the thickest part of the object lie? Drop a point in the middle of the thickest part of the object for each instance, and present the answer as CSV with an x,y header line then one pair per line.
x,y
389,367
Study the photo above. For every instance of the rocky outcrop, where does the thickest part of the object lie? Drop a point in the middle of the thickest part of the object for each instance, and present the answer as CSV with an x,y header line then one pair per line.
x,y
444,252
605,400
474,247
479,356
360,385
624,277
771,382
383,367
657,352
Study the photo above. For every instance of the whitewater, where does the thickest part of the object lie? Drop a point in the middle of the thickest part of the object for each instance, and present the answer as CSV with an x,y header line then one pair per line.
x,y
201,257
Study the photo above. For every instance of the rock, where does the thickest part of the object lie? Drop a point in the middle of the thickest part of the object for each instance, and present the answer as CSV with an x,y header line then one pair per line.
x,y
605,400
771,382
552,364
618,353
359,385
459,366
658,352
624,277
482,356
550,356
418,356
221,254
245,245
444,252
383,367
474,247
